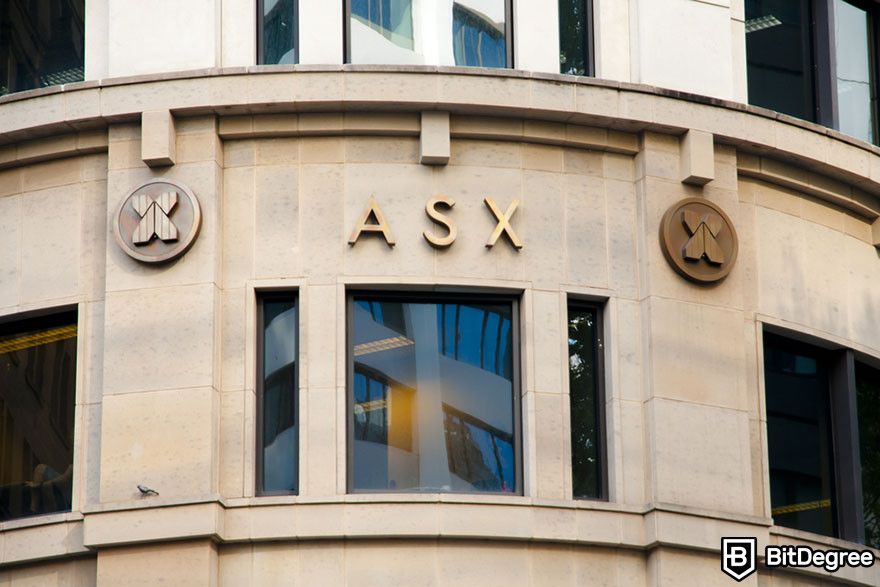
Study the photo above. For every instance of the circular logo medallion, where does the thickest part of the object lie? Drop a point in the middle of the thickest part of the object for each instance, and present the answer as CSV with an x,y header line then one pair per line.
x,y
158,221
698,240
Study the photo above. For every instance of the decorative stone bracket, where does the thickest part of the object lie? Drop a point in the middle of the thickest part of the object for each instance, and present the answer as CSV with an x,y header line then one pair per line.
x,y
158,138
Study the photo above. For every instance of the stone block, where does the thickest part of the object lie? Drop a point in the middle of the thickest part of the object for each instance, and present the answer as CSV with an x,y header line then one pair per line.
x,y
158,138
434,138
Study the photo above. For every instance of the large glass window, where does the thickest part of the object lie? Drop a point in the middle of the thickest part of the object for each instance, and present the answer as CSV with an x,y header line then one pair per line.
x,y
37,402
278,32
585,396
853,57
41,43
278,437
434,32
576,37
433,398
823,432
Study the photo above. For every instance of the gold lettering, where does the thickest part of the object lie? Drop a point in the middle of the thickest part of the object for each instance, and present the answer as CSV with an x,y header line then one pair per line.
x,y
437,216
377,225
503,223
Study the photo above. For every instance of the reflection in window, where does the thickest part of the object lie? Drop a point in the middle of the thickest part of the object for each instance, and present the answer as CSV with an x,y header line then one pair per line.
x,y
433,398
779,55
278,398
477,39
575,44
41,43
868,402
799,436
584,357
854,61
37,399
390,18
278,31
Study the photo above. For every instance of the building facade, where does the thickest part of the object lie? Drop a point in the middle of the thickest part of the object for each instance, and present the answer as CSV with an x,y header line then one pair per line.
x,y
436,293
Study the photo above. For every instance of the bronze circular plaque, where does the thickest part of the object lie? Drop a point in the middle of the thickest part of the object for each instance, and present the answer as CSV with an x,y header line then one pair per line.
x,y
698,240
158,221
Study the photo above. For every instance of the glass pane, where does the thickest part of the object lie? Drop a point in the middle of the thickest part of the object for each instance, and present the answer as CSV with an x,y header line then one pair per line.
x,y
41,44
433,396
852,53
279,31
799,436
432,32
583,357
279,439
37,394
573,50
868,401
779,58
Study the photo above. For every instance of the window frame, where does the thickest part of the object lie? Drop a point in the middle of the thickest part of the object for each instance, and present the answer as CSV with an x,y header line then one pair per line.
x,y
598,306
508,35
261,298
382,293
260,34
846,469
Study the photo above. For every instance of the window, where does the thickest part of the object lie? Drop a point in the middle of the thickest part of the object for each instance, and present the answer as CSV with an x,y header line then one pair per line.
x,y
433,394
576,37
434,32
277,397
277,32
816,60
37,403
41,43
585,396
823,435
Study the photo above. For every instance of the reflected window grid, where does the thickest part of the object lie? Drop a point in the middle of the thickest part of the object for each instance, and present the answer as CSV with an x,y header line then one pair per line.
x,y
433,401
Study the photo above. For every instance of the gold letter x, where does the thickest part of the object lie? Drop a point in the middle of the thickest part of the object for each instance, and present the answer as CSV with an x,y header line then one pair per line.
x,y
503,224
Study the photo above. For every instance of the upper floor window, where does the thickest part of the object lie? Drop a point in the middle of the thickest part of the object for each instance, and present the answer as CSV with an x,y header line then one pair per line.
x,y
433,394
824,73
576,37
277,32
434,32
37,403
823,436
41,43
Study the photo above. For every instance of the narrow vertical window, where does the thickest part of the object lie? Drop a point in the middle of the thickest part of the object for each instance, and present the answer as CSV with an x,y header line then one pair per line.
x,y
37,404
854,61
278,32
779,56
868,402
433,395
278,437
479,33
585,396
576,37
41,44
799,436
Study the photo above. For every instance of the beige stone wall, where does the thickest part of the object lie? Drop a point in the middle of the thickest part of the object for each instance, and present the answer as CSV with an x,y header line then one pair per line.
x,y
167,364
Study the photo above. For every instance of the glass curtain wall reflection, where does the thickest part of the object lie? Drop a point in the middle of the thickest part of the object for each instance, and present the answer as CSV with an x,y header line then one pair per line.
x,y
37,403
433,32
584,376
433,395
854,61
278,430
779,56
278,32
41,43
868,402
799,436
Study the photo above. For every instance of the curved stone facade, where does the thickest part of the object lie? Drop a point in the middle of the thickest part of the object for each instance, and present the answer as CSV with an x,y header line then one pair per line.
x,y
283,161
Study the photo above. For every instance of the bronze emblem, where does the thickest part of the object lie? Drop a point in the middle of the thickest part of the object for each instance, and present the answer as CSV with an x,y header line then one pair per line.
x,y
158,221
698,240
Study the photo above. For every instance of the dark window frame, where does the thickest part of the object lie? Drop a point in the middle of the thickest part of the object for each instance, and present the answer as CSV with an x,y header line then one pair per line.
x,y
260,25
846,467
508,34
385,293
599,307
261,297
589,39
